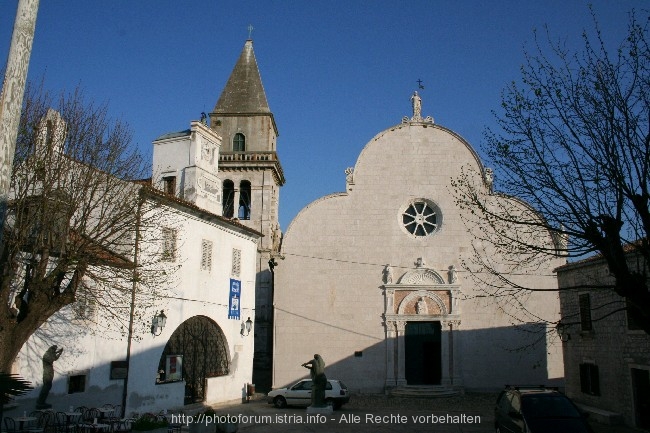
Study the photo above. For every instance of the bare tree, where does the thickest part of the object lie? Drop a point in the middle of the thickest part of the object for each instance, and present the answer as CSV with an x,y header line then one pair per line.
x,y
574,143
74,213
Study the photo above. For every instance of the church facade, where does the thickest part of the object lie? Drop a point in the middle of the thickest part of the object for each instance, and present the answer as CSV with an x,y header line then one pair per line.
x,y
372,279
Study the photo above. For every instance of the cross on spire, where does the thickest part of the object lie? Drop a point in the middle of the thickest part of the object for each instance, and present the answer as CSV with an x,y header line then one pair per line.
x,y
420,84
250,30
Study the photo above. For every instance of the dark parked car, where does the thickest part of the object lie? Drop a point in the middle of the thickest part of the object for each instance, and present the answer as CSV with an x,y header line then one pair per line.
x,y
537,409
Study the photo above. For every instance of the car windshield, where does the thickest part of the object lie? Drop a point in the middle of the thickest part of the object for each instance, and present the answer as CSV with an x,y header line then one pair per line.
x,y
302,385
548,406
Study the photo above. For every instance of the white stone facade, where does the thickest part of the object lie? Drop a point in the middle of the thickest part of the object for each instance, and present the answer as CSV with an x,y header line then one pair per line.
x,y
364,266
200,262
191,159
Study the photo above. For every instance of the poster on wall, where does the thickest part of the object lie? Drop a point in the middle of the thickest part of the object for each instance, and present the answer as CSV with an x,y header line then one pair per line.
x,y
235,293
174,368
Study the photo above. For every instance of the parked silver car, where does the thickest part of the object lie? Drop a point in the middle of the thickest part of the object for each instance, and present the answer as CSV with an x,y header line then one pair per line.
x,y
299,394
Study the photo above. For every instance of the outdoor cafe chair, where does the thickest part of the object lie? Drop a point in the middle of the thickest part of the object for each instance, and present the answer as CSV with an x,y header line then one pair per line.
x,y
91,414
65,423
123,426
117,413
10,425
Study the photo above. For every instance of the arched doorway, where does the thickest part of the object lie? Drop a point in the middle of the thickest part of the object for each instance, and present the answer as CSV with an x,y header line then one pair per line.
x,y
199,346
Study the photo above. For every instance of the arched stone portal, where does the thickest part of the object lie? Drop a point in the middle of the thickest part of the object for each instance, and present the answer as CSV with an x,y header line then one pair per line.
x,y
421,316
195,351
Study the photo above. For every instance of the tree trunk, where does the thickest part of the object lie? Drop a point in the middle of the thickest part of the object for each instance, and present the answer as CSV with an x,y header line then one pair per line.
x,y
14,335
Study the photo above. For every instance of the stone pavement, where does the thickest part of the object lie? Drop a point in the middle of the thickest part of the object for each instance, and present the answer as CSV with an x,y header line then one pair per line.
x,y
472,413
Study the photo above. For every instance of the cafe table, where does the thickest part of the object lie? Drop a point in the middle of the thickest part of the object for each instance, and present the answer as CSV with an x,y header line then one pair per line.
x,y
24,419
104,411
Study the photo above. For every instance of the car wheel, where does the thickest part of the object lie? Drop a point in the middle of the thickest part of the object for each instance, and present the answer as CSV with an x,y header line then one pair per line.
x,y
280,402
330,403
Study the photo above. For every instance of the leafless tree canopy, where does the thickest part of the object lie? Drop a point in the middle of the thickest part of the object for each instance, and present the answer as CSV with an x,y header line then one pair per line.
x,y
574,143
73,216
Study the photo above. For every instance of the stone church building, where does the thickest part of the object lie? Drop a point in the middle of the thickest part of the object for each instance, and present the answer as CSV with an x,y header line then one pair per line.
x,y
371,279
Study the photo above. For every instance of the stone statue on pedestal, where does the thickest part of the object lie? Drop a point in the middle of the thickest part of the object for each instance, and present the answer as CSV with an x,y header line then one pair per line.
x,y
319,380
416,101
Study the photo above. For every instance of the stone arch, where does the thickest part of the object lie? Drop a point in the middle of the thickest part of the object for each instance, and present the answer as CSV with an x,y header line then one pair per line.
x,y
413,296
244,208
228,189
204,353
421,277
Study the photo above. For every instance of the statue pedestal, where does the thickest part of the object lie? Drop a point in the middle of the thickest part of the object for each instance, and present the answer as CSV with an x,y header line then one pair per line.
x,y
325,410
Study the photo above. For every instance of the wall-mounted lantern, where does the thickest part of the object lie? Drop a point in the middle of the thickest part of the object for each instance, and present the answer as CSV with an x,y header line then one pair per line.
x,y
563,331
246,327
158,323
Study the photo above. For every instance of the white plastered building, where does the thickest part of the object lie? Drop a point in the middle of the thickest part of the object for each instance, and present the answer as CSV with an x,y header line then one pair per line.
x,y
205,351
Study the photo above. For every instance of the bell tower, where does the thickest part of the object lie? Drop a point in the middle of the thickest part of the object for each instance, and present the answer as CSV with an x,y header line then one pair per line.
x,y
251,176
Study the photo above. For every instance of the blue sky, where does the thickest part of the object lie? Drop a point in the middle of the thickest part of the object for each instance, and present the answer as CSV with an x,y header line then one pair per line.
x,y
336,73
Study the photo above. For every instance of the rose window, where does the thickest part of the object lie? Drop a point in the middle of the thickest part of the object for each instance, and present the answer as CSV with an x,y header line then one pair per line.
x,y
421,218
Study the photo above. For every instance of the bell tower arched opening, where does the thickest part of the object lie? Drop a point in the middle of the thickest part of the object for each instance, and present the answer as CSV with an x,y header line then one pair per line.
x,y
244,211
228,198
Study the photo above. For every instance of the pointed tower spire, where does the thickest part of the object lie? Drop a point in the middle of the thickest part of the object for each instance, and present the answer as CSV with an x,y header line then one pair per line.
x,y
244,92
244,97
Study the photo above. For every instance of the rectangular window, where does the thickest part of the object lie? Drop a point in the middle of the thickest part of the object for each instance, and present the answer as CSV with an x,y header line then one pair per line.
x,y
206,255
169,244
236,262
634,318
84,304
585,312
169,184
589,380
76,383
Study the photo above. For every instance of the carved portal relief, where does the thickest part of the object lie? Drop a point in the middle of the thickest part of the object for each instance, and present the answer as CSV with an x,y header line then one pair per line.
x,y
422,302
421,306
422,276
